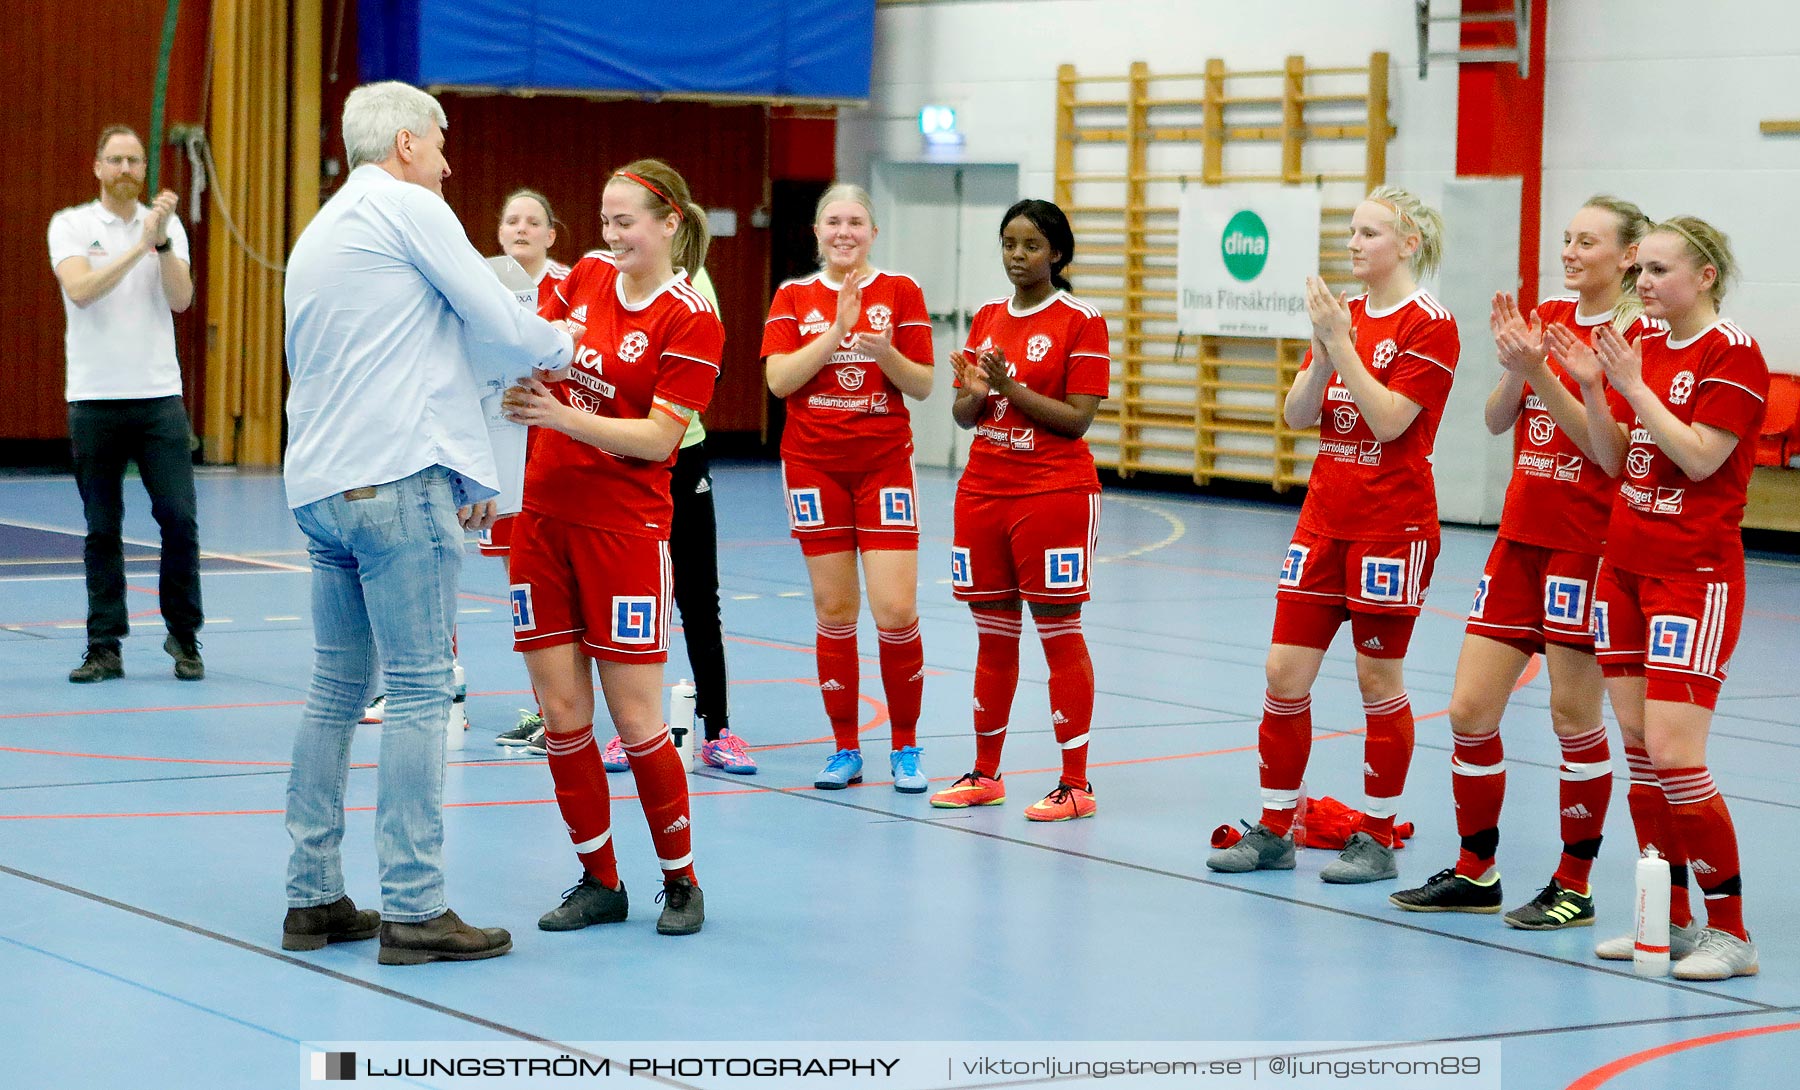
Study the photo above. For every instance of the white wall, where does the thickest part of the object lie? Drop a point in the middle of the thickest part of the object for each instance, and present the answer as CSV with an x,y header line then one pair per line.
x,y
995,61
1658,101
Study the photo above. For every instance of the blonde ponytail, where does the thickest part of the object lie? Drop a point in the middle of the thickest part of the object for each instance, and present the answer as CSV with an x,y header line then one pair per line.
x,y
1413,216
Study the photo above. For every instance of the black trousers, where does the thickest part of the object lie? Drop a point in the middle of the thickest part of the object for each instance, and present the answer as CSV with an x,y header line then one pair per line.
x,y
694,551
106,437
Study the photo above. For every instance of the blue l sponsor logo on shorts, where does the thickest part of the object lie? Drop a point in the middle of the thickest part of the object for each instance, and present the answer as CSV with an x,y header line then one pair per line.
x,y
634,620
1065,569
961,574
1481,593
1601,630
524,617
1671,641
897,507
1565,600
1383,579
804,507
1293,565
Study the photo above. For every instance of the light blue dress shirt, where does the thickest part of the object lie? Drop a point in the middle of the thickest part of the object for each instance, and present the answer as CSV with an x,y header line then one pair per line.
x,y
394,325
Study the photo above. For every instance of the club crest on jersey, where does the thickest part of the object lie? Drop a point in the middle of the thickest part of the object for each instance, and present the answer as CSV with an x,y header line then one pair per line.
x,y
1479,606
1542,429
880,317
1568,467
632,347
1637,462
1293,565
1065,568
1681,388
813,323
851,378
897,507
1671,641
633,620
524,617
1384,354
1383,579
1601,630
1037,347
805,508
1565,600
1343,418
961,573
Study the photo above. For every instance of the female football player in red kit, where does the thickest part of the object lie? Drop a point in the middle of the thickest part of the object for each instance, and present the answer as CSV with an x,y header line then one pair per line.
x,y
845,346
1034,370
1679,428
1376,379
590,566
1537,589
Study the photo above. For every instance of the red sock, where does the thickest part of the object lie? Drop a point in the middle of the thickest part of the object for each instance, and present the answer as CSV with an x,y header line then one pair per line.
x,y
1651,821
663,789
838,676
582,797
1071,692
996,680
1478,783
1585,791
903,680
1283,744
1387,754
1703,823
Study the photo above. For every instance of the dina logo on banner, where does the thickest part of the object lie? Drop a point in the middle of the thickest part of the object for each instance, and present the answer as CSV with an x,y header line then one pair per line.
x,y
1245,245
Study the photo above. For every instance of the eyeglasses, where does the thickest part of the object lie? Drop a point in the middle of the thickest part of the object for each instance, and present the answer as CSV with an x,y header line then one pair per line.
x,y
123,160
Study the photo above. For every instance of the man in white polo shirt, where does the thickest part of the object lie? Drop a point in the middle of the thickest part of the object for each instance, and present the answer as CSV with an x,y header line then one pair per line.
x,y
124,270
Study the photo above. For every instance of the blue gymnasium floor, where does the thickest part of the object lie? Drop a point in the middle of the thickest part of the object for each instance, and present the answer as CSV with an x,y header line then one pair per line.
x,y
142,848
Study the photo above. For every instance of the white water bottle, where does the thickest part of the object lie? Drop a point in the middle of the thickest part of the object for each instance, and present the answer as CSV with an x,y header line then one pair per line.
x,y
1650,952
681,723
456,723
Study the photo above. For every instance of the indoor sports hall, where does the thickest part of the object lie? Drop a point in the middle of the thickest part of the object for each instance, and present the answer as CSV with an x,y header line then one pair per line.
x,y
143,851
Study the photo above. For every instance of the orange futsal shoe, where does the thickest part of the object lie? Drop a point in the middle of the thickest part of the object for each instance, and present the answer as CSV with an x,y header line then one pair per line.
x,y
973,789
1063,804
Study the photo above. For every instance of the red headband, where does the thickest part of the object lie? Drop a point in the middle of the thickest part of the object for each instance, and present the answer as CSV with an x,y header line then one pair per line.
x,y
647,184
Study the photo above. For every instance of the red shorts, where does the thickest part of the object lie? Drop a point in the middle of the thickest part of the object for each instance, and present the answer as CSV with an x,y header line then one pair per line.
x,y
1037,547
1676,634
610,592
863,509
1378,586
1529,594
497,540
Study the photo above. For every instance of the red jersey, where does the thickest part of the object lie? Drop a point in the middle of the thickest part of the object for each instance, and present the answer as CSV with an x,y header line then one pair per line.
x,y
1665,524
663,349
849,413
1556,499
1056,348
1362,489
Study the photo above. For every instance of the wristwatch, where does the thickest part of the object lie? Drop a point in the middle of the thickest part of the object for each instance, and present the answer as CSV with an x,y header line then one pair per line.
x,y
165,246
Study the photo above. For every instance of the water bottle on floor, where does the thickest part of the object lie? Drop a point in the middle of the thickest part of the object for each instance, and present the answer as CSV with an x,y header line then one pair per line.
x,y
681,723
1650,955
454,726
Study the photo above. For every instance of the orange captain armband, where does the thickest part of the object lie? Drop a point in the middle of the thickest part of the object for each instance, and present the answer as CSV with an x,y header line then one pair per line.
x,y
680,412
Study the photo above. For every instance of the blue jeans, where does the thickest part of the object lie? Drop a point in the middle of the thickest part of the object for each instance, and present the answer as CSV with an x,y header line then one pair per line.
x,y
385,562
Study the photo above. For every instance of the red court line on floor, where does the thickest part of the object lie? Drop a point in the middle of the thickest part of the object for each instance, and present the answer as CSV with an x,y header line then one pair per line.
x,y
1605,1073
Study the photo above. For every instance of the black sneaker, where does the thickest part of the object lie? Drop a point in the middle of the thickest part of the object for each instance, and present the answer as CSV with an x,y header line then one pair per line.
x,y
684,908
1553,909
1448,891
99,664
186,653
584,905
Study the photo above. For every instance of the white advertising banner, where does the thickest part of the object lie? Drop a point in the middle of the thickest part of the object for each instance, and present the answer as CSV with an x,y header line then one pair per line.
x,y
1244,254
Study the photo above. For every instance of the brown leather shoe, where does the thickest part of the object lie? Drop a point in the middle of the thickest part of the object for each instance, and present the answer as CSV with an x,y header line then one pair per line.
x,y
441,938
339,921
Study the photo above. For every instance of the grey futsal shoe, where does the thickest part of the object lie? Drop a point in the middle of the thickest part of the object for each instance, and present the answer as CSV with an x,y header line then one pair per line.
x,y
587,903
1364,859
684,907
1682,941
1719,955
1259,850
